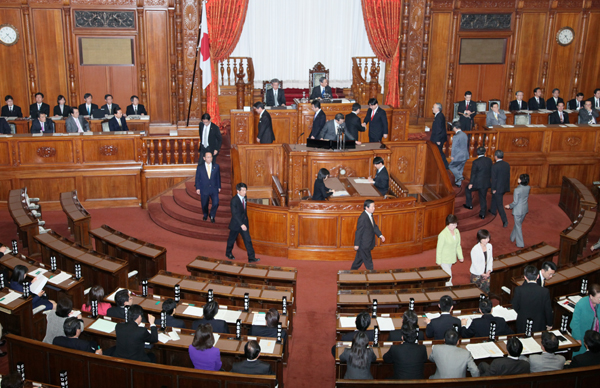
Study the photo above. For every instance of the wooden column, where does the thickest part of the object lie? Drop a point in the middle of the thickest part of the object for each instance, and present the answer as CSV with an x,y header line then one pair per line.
x,y
423,80
584,27
142,57
173,65
179,52
451,63
513,60
74,97
240,86
28,32
546,57
403,44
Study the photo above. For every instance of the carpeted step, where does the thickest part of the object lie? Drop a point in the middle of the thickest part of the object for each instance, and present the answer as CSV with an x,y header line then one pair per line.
x,y
224,195
475,222
163,220
175,211
183,199
462,213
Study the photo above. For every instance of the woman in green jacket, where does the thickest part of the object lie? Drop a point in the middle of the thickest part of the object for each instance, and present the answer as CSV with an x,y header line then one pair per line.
x,y
586,316
448,246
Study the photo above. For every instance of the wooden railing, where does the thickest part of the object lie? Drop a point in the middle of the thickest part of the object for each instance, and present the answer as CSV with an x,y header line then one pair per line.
x,y
487,139
397,188
237,77
365,78
170,150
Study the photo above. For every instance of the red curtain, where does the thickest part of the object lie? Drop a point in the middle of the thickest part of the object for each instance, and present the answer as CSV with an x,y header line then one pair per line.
x,y
382,21
225,22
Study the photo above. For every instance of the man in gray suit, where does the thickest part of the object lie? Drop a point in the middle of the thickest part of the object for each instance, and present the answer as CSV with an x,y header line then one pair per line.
x,y
460,153
588,115
519,208
332,128
495,116
76,123
547,361
451,361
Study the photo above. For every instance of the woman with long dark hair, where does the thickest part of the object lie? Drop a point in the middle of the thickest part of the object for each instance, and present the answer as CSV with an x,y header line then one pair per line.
x,y
202,352
358,358
96,293
16,283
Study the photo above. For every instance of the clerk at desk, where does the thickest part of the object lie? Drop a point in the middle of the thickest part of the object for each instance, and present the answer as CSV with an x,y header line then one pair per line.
x,y
382,178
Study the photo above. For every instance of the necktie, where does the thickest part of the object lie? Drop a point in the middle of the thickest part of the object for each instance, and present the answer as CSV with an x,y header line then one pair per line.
x,y
537,100
42,126
208,168
78,125
275,97
372,114
519,105
561,118
119,121
244,202
322,91
135,109
10,109
371,218
496,115
89,109
109,109
597,103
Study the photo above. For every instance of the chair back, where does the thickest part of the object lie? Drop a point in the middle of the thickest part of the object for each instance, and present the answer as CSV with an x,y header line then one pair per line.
x,y
482,106
266,86
315,73
522,118
105,127
13,128
495,100
456,117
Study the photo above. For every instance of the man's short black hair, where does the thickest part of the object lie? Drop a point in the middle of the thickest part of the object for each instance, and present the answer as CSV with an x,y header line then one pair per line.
x,y
445,303
596,90
13,380
493,104
368,203
8,97
71,325
485,305
169,305
85,96
549,342
373,101
480,150
272,317
363,321
514,347
107,95
132,97
456,124
135,311
592,340
240,186
530,272
316,103
547,265
377,160
39,94
339,116
499,154
555,90
451,337
252,350
64,307
468,93
535,90
259,105
579,94
121,297
355,107
210,310
206,116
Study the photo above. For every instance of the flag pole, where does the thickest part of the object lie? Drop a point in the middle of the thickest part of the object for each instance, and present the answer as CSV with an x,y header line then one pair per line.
x,y
194,74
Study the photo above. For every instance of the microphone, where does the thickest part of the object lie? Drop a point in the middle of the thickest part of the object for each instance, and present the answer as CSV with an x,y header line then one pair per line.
x,y
299,137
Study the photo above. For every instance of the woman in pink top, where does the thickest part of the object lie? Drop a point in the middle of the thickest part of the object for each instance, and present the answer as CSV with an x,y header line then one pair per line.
x,y
96,293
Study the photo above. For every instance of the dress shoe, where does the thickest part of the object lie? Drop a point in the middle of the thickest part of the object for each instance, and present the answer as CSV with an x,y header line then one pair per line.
x,y
204,218
230,257
468,207
504,225
482,217
212,219
255,260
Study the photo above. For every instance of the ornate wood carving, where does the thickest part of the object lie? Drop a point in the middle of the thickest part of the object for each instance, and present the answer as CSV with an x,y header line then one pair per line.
x,y
156,3
536,4
173,64
337,171
400,124
108,150
403,48
424,56
595,4
70,56
142,57
573,141
419,231
570,4
104,2
46,152
438,4
241,134
105,19
180,59
493,21
414,56
30,53
45,1
191,16
520,142
488,4
292,230
259,168
402,164
239,86
332,206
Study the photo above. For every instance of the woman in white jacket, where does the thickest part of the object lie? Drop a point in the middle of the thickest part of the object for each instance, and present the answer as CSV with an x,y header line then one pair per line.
x,y
482,261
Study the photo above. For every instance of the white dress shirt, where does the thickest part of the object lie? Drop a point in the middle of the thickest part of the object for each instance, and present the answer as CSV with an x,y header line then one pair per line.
x,y
479,265
205,132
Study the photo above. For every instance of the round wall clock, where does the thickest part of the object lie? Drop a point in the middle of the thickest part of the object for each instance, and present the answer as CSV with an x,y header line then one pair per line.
x,y
8,34
565,36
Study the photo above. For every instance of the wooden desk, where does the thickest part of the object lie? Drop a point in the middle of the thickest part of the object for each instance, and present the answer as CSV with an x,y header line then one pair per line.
x,y
96,268
575,196
536,118
574,238
17,316
27,224
423,277
78,218
21,125
148,259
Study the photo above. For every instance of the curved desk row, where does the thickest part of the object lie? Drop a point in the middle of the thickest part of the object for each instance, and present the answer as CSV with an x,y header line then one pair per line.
x,y
78,218
423,277
27,224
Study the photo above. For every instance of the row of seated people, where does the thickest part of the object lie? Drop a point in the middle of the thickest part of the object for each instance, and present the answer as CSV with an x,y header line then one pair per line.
x,y
75,123
276,95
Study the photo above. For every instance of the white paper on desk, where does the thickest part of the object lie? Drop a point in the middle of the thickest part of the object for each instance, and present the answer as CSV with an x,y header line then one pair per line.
x,y
162,337
484,350
503,312
195,311
507,126
361,180
258,319
216,336
103,325
61,277
559,334
347,321
228,315
111,297
565,304
38,285
530,346
174,336
469,319
36,272
574,298
267,346
10,297
74,313
342,193
432,315
570,125
386,324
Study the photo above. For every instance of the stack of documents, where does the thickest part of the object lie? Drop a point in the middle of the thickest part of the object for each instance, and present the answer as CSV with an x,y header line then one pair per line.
x,y
61,277
386,324
503,312
103,325
530,346
342,193
266,346
10,297
258,319
194,311
347,322
484,350
228,316
361,180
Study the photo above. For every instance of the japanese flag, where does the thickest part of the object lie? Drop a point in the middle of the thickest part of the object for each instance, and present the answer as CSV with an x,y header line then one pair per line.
x,y
204,50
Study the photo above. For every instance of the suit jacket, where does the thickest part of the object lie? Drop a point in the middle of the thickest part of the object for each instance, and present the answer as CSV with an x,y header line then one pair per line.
x,y
378,125
239,215
264,331
71,125
554,118
174,322
76,343
205,184
140,110
491,120
481,173
546,362
116,312
350,335
585,116
83,110
328,131
113,108
67,110
593,101
4,127
514,105
586,359
519,204
506,366
501,177
382,181
353,373
438,129
35,113
256,367
466,123
353,126
364,238
438,326
409,360
215,140
460,147
36,126
265,129
480,327
574,104
218,325
316,92
318,123
113,125
270,97
533,302
452,362
551,104
16,112
534,105
131,339
320,191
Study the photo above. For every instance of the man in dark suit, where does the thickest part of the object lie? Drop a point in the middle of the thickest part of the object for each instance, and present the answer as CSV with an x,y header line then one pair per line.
x,y
42,125
409,357
239,224
576,103
10,109
321,91
122,299
39,106
438,130
518,104
265,125
514,364
275,96
480,327
4,127
377,120
169,306
135,108
364,238
209,311
87,107
481,180
319,119
546,273
559,117
536,102
109,107
208,185
353,124
588,115
210,136
131,337
272,320
332,128
118,122
382,178
76,123
252,365
467,109
595,99
591,357
500,185
553,101
531,301
72,327
437,327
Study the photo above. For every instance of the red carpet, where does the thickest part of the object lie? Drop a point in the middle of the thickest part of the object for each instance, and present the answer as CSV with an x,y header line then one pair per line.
x,y
314,333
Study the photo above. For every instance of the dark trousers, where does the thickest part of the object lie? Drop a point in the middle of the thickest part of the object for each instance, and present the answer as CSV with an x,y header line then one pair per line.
x,y
440,147
497,204
482,199
363,256
245,237
213,196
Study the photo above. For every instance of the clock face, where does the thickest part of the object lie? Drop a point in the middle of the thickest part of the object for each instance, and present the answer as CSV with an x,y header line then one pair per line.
x,y
8,34
565,36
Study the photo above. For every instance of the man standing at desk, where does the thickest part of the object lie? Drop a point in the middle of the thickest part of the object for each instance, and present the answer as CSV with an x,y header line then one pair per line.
x,y
467,109
364,238
382,178
265,125
377,120
208,185
332,128
319,119
118,123
321,90
239,224
353,125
